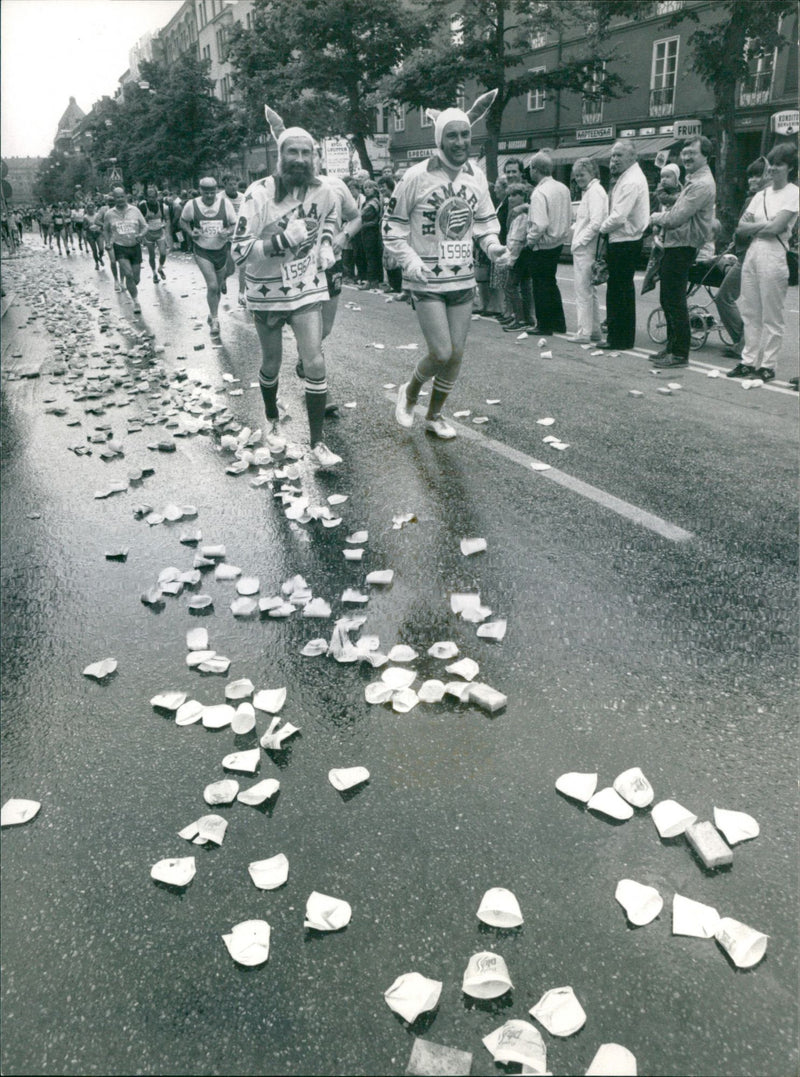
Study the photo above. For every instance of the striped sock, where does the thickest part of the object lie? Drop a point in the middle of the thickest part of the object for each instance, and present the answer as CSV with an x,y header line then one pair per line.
x,y
418,379
316,398
269,394
441,391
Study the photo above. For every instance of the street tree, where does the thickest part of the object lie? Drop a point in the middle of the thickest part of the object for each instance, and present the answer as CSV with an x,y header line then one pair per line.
x,y
488,44
63,177
319,64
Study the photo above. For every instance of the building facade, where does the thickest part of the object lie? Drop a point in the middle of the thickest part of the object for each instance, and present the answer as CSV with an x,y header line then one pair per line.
x,y
69,127
21,176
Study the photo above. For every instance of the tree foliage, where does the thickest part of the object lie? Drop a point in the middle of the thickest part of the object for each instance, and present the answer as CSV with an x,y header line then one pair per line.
x,y
319,64
61,177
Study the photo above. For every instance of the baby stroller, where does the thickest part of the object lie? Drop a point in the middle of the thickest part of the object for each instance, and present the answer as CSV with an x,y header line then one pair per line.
x,y
705,277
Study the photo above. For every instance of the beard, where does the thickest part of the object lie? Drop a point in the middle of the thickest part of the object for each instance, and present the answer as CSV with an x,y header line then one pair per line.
x,y
298,173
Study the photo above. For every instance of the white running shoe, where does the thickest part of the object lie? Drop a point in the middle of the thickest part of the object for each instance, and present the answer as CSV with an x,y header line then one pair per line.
x,y
272,439
214,323
324,457
404,412
440,427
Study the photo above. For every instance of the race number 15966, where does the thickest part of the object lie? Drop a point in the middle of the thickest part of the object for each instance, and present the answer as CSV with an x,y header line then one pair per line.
x,y
455,252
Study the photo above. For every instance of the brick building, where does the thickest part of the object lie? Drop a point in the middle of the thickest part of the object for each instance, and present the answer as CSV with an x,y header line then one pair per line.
x,y
22,175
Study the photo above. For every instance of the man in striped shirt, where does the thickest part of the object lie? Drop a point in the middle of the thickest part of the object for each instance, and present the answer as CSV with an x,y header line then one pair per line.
x,y
284,239
437,208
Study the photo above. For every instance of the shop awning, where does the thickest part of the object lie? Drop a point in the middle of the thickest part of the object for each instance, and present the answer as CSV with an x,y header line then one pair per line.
x,y
646,148
565,155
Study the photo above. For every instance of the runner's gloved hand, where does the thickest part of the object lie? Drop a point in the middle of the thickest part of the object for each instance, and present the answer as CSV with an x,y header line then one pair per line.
x,y
295,233
415,272
326,256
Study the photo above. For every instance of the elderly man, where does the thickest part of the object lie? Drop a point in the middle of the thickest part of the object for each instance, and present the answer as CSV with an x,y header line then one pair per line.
x,y
209,222
549,225
437,208
284,239
624,226
687,227
125,228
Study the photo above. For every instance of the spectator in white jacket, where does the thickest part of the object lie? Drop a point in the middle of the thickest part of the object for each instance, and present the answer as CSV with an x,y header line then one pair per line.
x,y
592,211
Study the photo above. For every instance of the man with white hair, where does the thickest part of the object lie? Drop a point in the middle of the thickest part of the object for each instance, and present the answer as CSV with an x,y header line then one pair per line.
x,y
435,211
284,239
549,225
629,215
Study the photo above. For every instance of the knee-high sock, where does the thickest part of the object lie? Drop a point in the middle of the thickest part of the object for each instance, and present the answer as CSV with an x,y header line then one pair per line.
x,y
269,394
442,387
422,372
316,398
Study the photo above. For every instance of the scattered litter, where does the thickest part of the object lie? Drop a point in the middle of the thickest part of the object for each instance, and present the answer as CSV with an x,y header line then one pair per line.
x,y
178,872
380,578
270,700
674,385
471,546
350,404
347,777
735,825
240,689
407,347
404,700
611,1059
486,976
412,994
225,571
708,845
168,701
189,712
206,828
247,585
401,653
378,692
248,942
244,607
353,555
744,945
714,373
459,689
522,336
487,698
357,538
223,792
443,649
480,419
274,737
337,499
354,597
243,762
634,787
200,602
500,908
269,874
461,414
559,1011
397,679
641,903
431,691
314,648
693,918
325,913
399,522
101,669
218,664
259,792
492,401
16,811
427,1058
495,630
664,390
464,667
539,465
317,607
671,818
518,1042
120,554
609,802
545,422
597,351
577,785
218,716
635,392
546,355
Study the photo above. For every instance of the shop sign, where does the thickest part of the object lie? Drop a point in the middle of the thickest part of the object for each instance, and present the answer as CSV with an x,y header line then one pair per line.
x,y
666,130
336,155
687,128
415,155
628,132
785,123
644,131
512,144
594,134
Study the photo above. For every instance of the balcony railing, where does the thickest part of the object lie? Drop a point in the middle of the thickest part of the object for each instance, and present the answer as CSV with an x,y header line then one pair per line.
x,y
591,112
662,101
755,89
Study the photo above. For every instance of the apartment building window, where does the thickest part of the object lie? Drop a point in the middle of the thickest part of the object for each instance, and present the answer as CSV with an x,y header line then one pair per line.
x,y
592,105
538,40
206,52
400,118
222,44
424,121
662,77
536,98
667,7
249,20
756,87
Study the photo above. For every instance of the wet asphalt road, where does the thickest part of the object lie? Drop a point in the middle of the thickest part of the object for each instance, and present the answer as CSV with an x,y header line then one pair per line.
x,y
666,641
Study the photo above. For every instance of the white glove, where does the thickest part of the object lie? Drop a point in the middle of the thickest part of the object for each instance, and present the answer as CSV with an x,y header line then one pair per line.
x,y
415,271
295,233
327,258
501,256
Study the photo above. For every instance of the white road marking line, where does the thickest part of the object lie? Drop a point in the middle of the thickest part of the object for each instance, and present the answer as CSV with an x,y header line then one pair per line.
x,y
577,486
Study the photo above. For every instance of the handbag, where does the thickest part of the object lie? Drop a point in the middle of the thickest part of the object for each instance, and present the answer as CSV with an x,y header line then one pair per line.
x,y
599,271
791,256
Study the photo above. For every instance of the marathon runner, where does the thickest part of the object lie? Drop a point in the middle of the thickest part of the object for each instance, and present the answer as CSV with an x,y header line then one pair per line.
x,y
209,222
283,237
93,230
46,225
436,209
77,215
234,191
59,227
156,215
125,228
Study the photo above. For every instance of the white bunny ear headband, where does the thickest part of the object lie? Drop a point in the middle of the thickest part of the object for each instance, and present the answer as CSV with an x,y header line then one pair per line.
x,y
477,111
280,131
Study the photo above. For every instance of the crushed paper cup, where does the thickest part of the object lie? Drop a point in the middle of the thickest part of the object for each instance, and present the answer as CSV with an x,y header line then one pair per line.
x,y
464,667
345,778
612,1059
269,874
559,1011
240,689
735,826
353,555
609,802
168,701
248,942
378,692
443,649
641,903
177,872
223,792
244,720
314,648
576,785
461,414
270,700
324,913
473,545
197,639
495,630
397,678
380,578
402,653
274,737
357,538
671,818
404,700
100,669
412,994
520,1042
244,607
459,689
546,355
431,691
634,787
486,976
206,828
693,918
218,715
744,945
500,908
540,465
259,792
461,602
17,810
189,712
545,422
244,762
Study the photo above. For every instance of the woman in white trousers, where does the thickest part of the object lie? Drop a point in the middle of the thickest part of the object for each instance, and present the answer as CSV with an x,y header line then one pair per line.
x,y
591,213
768,221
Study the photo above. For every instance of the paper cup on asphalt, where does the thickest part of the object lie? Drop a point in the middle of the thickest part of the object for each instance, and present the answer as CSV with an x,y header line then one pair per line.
x,y
412,994
576,785
520,1042
244,720
269,874
609,802
744,945
344,778
612,1060
693,918
735,825
248,942
177,872
499,908
634,787
559,1011
325,913
671,818
641,903
486,976
259,792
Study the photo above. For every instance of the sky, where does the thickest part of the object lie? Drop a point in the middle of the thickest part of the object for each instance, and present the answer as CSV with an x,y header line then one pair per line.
x,y
52,50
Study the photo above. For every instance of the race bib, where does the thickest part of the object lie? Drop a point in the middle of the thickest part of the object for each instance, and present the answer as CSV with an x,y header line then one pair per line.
x,y
456,252
301,270
210,228
126,228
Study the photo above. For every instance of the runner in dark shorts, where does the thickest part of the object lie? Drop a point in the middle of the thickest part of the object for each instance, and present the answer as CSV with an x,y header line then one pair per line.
x,y
125,229
208,221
